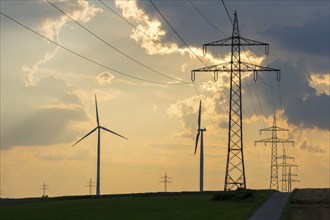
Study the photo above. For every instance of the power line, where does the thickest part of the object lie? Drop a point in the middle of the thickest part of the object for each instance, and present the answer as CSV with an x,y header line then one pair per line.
x,y
230,18
190,50
113,47
88,59
177,33
206,19
124,19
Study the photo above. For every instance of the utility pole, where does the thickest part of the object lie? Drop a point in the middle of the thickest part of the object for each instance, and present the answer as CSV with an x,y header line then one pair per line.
x,y
273,140
44,187
90,185
166,181
235,170
290,175
284,165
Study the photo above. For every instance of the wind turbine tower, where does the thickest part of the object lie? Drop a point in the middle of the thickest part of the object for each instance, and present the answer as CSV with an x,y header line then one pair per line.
x,y
98,128
200,132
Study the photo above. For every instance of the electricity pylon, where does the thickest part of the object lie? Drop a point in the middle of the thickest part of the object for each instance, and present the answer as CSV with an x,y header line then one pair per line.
x,y
90,185
44,187
235,170
166,181
273,140
290,179
284,165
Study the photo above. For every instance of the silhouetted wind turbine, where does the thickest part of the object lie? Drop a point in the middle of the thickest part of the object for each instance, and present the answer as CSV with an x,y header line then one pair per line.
x,y
200,132
98,127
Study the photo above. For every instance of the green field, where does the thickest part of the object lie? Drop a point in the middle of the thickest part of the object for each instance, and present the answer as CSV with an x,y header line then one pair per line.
x,y
140,206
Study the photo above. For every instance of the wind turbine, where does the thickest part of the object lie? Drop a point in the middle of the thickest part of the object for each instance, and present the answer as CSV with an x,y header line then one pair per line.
x,y
98,128
200,131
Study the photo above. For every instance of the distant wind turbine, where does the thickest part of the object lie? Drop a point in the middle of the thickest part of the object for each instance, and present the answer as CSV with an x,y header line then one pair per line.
x,y
98,127
200,131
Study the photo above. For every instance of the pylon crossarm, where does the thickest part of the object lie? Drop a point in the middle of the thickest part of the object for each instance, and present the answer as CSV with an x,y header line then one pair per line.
x,y
281,140
215,69
222,42
253,67
273,129
222,67
249,42
280,129
266,140
285,157
292,165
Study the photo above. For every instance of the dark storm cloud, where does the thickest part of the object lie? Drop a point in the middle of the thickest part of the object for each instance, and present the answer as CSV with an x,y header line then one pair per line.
x,y
187,22
310,37
42,114
302,105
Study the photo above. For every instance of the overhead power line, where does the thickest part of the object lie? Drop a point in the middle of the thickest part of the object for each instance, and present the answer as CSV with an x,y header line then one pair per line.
x,y
176,33
127,21
183,41
230,18
206,19
86,58
113,47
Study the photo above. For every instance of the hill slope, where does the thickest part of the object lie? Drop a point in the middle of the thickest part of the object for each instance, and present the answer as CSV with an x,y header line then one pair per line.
x,y
141,206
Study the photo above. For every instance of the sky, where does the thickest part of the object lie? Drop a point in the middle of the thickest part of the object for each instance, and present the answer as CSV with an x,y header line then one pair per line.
x,y
62,54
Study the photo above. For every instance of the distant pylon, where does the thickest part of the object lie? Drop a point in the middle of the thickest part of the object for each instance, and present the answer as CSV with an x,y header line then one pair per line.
x,y
284,166
166,181
235,169
273,140
44,187
90,185
290,179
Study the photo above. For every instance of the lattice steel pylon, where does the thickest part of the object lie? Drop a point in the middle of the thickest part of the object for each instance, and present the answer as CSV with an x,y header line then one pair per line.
x,y
290,175
274,140
235,170
284,165
44,187
166,181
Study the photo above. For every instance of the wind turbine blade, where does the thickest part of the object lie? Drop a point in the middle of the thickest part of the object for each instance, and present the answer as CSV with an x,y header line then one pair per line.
x,y
197,137
97,112
199,114
113,132
85,136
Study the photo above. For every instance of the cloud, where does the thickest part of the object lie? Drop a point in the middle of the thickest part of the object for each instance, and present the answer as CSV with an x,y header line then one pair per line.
x,y
150,34
104,78
309,37
321,82
302,105
79,10
45,114
310,148
186,110
154,107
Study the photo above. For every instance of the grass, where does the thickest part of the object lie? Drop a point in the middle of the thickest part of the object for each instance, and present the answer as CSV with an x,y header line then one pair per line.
x,y
156,206
306,204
